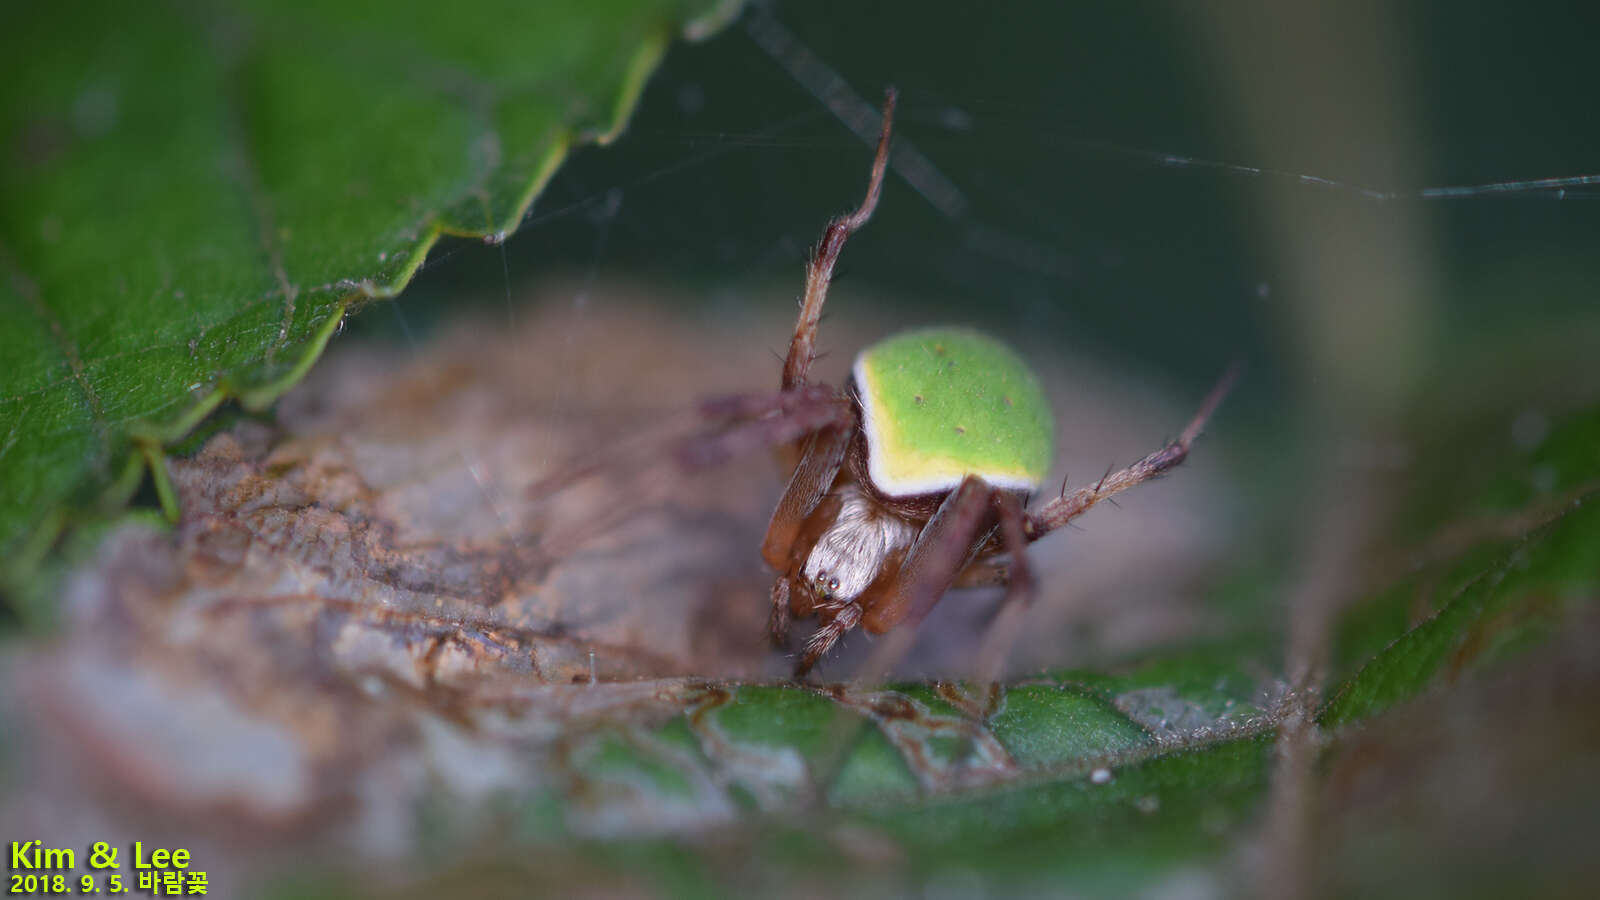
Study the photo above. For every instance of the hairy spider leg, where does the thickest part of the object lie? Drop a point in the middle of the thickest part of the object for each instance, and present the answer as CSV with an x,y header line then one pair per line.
x,y
984,573
1067,507
819,272
782,613
695,446
813,476
1003,630
792,416
628,454
641,470
783,547
634,469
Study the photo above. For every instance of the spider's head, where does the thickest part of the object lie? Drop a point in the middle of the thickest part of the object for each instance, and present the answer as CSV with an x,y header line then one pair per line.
x,y
834,576
852,552
824,584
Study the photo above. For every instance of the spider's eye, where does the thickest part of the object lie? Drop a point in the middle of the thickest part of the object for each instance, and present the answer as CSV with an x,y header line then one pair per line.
x,y
833,584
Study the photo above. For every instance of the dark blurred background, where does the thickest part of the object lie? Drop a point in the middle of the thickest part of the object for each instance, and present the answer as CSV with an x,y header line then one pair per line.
x,y
1051,122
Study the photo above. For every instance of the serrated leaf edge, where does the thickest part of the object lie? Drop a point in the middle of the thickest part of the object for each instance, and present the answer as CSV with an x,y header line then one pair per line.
x,y
150,440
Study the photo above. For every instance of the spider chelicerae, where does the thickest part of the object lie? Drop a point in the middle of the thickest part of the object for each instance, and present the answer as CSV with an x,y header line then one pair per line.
x,y
912,478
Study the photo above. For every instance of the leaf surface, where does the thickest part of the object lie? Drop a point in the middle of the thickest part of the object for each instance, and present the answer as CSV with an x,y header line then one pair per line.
x,y
195,194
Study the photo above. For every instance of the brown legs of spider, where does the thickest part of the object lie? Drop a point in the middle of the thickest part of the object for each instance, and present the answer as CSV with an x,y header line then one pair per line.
x,y
1067,507
1007,625
778,619
845,617
819,273
769,420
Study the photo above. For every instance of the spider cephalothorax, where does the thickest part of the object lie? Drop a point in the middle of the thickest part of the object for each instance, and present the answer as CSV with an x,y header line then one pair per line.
x,y
913,477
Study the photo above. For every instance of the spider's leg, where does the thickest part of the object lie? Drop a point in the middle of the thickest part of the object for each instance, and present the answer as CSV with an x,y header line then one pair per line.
x,y
784,547
813,476
641,469
819,271
1067,507
1002,632
794,415
843,617
984,573
941,551
695,445
731,407
778,620
631,453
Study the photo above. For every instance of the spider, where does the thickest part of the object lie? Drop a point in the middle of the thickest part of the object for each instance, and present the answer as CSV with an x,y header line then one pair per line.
x,y
912,478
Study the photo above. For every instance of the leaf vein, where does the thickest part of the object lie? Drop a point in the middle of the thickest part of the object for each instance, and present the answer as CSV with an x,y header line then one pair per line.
x,y
28,290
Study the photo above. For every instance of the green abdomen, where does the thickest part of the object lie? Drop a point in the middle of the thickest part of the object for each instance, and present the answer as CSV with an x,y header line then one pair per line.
x,y
943,403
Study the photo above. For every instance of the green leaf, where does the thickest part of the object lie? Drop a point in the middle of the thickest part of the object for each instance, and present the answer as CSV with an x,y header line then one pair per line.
x,y
194,195
1522,557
